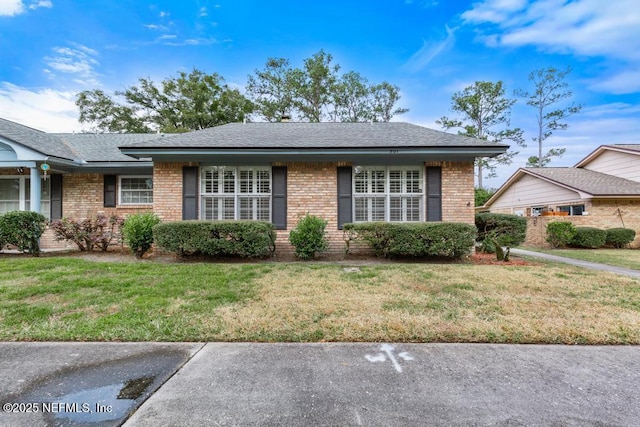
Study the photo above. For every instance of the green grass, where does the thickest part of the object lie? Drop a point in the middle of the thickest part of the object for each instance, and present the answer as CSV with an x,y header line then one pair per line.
x,y
627,258
72,299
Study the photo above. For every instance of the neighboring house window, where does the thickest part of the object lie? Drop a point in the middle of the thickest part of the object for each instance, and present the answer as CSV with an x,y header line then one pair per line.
x,y
536,210
388,194
235,193
136,190
15,195
572,210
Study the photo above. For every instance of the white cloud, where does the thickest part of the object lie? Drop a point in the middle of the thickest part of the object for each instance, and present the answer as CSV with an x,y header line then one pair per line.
x,y
429,51
584,27
16,7
44,109
11,7
624,82
78,61
41,3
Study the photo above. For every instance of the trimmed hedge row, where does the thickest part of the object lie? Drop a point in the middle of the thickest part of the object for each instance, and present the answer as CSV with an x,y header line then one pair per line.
x,y
23,230
441,239
247,239
560,233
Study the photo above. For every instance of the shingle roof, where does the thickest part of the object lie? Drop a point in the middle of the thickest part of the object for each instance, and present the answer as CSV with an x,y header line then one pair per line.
x,y
631,147
39,141
102,147
588,181
314,135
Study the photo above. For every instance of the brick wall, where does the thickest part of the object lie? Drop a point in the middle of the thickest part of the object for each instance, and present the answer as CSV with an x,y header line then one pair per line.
x,y
83,197
458,197
603,214
311,187
167,190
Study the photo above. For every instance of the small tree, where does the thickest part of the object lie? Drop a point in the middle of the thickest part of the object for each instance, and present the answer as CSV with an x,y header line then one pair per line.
x,y
549,89
485,114
309,237
137,232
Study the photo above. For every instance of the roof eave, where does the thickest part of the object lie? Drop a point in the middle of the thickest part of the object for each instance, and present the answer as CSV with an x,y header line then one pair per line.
x,y
142,152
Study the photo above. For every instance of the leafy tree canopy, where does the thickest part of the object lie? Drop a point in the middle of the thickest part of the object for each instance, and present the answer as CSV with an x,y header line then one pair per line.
x,y
317,92
189,102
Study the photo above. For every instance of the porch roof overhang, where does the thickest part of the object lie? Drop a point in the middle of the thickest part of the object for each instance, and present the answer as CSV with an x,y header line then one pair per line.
x,y
374,155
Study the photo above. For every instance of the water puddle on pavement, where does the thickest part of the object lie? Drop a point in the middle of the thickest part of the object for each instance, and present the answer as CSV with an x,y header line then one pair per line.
x,y
104,394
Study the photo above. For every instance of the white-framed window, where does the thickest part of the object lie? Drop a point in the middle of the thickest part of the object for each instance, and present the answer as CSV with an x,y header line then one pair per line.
x,y
136,190
388,193
15,194
236,193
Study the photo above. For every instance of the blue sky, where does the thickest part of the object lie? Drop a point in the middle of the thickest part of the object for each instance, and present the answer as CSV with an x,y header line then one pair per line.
x,y
52,49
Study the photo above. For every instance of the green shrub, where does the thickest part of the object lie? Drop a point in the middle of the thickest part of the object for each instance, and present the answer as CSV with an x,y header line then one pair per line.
x,y
436,239
507,230
560,233
88,233
309,237
23,230
589,237
250,239
620,237
137,232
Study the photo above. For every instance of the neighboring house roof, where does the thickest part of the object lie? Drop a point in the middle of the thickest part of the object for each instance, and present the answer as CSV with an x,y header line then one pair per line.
x,y
624,148
102,147
36,140
588,183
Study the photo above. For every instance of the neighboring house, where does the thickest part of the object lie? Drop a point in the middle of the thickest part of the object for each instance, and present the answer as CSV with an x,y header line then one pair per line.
x,y
602,190
277,172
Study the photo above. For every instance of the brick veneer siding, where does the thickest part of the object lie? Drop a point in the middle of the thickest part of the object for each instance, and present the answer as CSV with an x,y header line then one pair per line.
x,y
83,197
603,214
167,190
458,197
311,187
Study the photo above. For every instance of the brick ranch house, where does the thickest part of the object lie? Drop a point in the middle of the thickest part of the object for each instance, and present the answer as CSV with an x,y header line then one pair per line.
x,y
342,172
602,191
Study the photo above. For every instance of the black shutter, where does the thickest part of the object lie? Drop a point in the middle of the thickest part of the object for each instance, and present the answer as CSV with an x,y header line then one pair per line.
x,y
434,194
109,191
279,197
190,192
56,197
345,201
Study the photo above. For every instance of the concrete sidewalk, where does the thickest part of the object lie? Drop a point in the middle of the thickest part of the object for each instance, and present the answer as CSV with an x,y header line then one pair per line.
x,y
585,264
327,383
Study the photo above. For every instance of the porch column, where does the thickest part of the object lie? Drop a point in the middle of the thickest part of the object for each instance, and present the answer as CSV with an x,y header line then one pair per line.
x,y
35,190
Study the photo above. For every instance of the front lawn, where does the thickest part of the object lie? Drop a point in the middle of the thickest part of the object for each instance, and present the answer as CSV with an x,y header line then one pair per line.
x,y
66,298
627,258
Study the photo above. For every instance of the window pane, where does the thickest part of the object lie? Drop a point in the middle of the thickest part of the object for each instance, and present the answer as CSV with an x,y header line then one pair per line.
x,y
395,181
136,190
414,183
246,181
361,180
9,195
377,181
263,182
229,181
209,181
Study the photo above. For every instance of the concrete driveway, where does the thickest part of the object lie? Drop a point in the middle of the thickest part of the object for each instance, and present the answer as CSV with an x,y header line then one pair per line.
x,y
322,384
